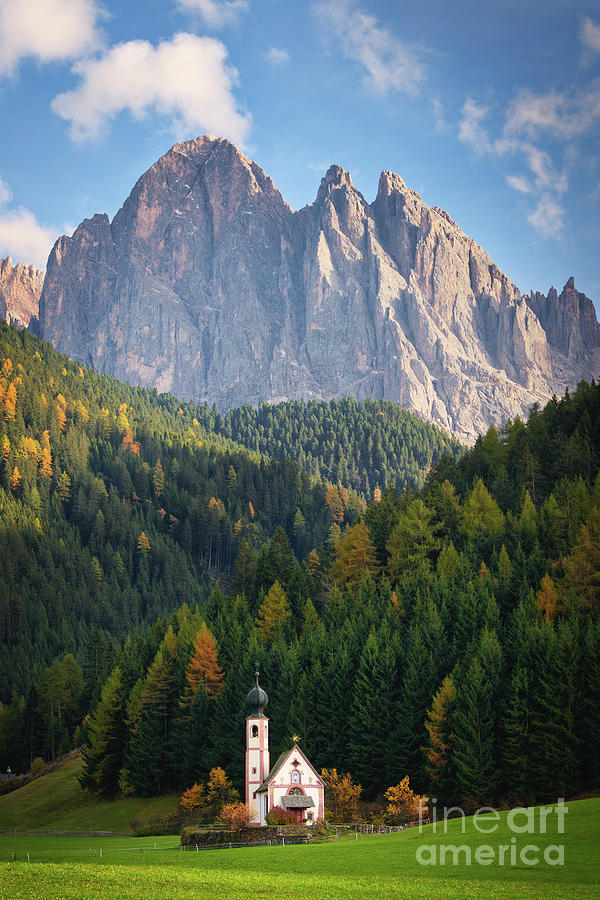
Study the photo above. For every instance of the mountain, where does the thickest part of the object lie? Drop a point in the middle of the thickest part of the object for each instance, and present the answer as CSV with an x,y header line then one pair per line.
x,y
207,284
20,289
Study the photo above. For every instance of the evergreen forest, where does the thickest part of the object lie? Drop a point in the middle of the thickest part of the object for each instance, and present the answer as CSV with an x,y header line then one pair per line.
x,y
443,626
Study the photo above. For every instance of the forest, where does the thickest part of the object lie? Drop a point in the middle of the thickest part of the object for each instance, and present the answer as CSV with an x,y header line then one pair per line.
x,y
448,632
362,445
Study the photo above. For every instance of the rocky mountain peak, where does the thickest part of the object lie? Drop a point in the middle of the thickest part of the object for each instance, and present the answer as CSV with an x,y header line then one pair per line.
x,y
336,178
207,284
20,290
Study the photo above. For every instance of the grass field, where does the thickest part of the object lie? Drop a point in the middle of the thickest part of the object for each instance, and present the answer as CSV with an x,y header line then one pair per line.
x,y
383,866
56,802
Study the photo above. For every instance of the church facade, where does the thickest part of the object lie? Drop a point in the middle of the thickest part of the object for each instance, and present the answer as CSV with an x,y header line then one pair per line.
x,y
292,783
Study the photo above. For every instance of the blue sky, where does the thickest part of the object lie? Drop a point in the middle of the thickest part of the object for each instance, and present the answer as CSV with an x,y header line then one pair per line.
x,y
491,112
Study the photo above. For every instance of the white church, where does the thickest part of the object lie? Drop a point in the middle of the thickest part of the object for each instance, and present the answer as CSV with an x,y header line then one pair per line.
x,y
293,783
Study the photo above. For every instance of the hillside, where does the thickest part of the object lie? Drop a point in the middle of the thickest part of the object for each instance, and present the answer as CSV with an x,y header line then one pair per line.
x,y
362,445
114,501
56,802
452,633
207,284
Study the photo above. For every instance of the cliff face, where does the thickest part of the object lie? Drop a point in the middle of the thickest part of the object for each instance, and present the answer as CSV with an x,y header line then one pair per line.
x,y
208,285
20,290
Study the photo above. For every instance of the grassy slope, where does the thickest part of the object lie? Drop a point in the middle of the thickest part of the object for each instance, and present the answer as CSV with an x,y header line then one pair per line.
x,y
373,866
57,802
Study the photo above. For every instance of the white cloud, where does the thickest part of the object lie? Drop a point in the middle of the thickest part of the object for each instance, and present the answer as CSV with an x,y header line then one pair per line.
x,y
215,13
389,63
470,129
439,117
277,56
547,217
518,183
5,193
45,30
537,129
186,79
21,235
562,115
590,35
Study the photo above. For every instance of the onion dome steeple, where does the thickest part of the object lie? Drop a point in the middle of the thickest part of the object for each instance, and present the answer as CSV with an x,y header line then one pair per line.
x,y
257,699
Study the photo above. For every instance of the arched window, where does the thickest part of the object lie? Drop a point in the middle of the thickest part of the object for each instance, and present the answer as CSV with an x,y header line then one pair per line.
x,y
255,731
295,777
295,792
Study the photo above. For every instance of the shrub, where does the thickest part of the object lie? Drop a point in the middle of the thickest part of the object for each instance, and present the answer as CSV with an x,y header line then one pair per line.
x,y
280,816
167,824
38,766
235,815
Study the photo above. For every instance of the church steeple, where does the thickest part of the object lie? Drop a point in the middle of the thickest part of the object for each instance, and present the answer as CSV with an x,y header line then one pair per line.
x,y
257,752
257,699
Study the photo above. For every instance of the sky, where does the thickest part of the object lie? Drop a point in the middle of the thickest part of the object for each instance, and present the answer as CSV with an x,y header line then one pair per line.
x,y
491,112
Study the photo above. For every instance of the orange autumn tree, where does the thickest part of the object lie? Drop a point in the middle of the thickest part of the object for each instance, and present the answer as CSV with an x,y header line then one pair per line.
x,y
547,599
10,402
403,804
334,503
203,667
342,794
220,790
193,800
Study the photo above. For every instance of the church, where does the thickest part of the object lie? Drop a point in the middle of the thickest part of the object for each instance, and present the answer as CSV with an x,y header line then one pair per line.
x,y
293,783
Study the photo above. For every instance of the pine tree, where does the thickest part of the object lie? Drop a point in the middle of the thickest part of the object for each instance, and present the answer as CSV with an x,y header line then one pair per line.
x,y
370,717
438,753
103,756
475,722
515,737
355,557
274,612
158,478
412,540
203,667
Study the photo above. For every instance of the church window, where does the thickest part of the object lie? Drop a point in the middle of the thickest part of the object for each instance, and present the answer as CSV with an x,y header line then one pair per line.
x,y
254,770
295,792
255,731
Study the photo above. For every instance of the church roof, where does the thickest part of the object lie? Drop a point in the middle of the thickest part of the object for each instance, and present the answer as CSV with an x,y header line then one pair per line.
x,y
257,699
281,759
296,801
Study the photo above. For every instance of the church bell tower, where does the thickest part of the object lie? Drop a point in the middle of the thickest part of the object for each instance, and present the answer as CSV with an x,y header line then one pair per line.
x,y
257,754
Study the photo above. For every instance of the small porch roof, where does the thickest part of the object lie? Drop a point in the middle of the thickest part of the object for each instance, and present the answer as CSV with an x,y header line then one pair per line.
x,y
296,801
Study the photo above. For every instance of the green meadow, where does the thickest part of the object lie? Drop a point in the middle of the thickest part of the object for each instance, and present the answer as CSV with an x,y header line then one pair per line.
x,y
377,866
56,802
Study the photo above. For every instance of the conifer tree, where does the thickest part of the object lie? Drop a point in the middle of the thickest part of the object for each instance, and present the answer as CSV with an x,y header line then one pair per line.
x,y
515,737
439,752
274,612
203,668
475,722
103,756
355,557
158,478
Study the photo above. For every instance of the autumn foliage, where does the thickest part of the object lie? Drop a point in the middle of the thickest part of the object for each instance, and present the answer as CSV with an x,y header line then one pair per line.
x,y
342,794
203,667
355,557
235,815
403,804
194,799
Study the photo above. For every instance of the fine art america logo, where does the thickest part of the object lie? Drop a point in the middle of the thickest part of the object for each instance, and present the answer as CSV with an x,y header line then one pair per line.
x,y
520,850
